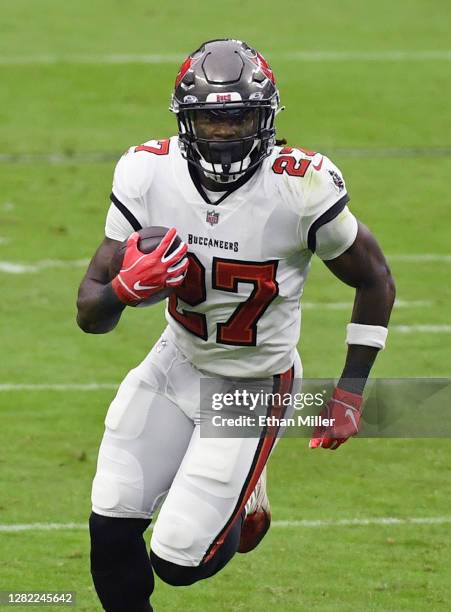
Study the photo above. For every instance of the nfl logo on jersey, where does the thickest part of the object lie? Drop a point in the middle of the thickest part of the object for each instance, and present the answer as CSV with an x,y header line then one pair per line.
x,y
212,217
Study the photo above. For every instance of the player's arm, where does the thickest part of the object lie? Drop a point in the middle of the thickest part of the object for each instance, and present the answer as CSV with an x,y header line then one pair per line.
x,y
98,307
101,299
100,303
364,267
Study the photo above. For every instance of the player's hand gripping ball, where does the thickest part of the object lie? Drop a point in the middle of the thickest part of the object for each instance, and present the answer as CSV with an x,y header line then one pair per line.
x,y
148,266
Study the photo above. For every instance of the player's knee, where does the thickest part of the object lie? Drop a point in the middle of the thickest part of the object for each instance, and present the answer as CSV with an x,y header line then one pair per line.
x,y
173,550
173,573
119,482
173,537
178,558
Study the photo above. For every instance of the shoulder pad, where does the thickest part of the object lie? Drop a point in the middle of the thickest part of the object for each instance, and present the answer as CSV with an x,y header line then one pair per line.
x,y
136,168
324,182
317,176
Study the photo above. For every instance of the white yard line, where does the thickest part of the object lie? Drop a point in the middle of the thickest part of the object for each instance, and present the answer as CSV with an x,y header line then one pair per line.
x,y
420,258
44,527
403,55
112,386
432,520
16,267
58,387
422,329
13,267
362,56
348,305
104,156
108,58
301,524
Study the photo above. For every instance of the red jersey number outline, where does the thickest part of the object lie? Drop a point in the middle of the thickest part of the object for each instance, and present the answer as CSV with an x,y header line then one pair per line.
x,y
192,292
161,149
285,162
240,329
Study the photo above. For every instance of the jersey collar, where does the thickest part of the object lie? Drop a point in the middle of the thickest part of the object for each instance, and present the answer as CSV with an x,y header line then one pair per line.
x,y
236,185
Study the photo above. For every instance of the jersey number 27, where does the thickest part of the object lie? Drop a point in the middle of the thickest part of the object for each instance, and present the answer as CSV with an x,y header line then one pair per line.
x,y
240,329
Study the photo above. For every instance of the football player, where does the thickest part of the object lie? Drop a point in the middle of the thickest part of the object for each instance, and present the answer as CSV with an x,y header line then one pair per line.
x,y
250,214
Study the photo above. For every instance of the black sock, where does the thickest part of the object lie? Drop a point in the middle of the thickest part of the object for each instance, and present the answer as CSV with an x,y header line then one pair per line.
x,y
120,564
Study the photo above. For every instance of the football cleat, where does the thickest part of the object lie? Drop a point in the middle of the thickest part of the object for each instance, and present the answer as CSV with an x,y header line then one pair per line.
x,y
258,517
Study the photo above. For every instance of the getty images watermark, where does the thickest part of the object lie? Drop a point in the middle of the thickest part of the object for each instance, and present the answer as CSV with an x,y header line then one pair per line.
x,y
392,408
248,408
252,401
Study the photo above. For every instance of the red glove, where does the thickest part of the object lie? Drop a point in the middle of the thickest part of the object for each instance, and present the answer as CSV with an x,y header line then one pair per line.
x,y
143,274
345,408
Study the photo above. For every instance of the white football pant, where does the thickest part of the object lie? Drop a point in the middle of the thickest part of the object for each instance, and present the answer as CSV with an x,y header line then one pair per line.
x,y
152,448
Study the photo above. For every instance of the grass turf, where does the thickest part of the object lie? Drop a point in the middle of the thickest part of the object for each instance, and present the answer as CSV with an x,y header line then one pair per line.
x,y
50,439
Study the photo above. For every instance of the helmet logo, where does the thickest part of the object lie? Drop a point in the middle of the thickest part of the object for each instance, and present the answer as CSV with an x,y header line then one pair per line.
x,y
190,99
183,70
264,67
232,96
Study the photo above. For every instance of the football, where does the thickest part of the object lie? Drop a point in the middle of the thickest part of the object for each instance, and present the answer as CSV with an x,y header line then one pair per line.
x,y
149,239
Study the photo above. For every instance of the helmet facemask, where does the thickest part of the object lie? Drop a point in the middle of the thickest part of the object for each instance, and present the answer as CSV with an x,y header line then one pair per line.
x,y
226,142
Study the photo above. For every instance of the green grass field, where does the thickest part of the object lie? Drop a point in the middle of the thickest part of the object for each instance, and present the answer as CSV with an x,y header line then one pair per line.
x,y
68,108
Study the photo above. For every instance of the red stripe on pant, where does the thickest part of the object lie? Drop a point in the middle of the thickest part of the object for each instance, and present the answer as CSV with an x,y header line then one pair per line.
x,y
283,383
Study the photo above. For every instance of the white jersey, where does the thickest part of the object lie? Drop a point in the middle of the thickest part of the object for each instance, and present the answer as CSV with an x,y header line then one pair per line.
x,y
238,312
